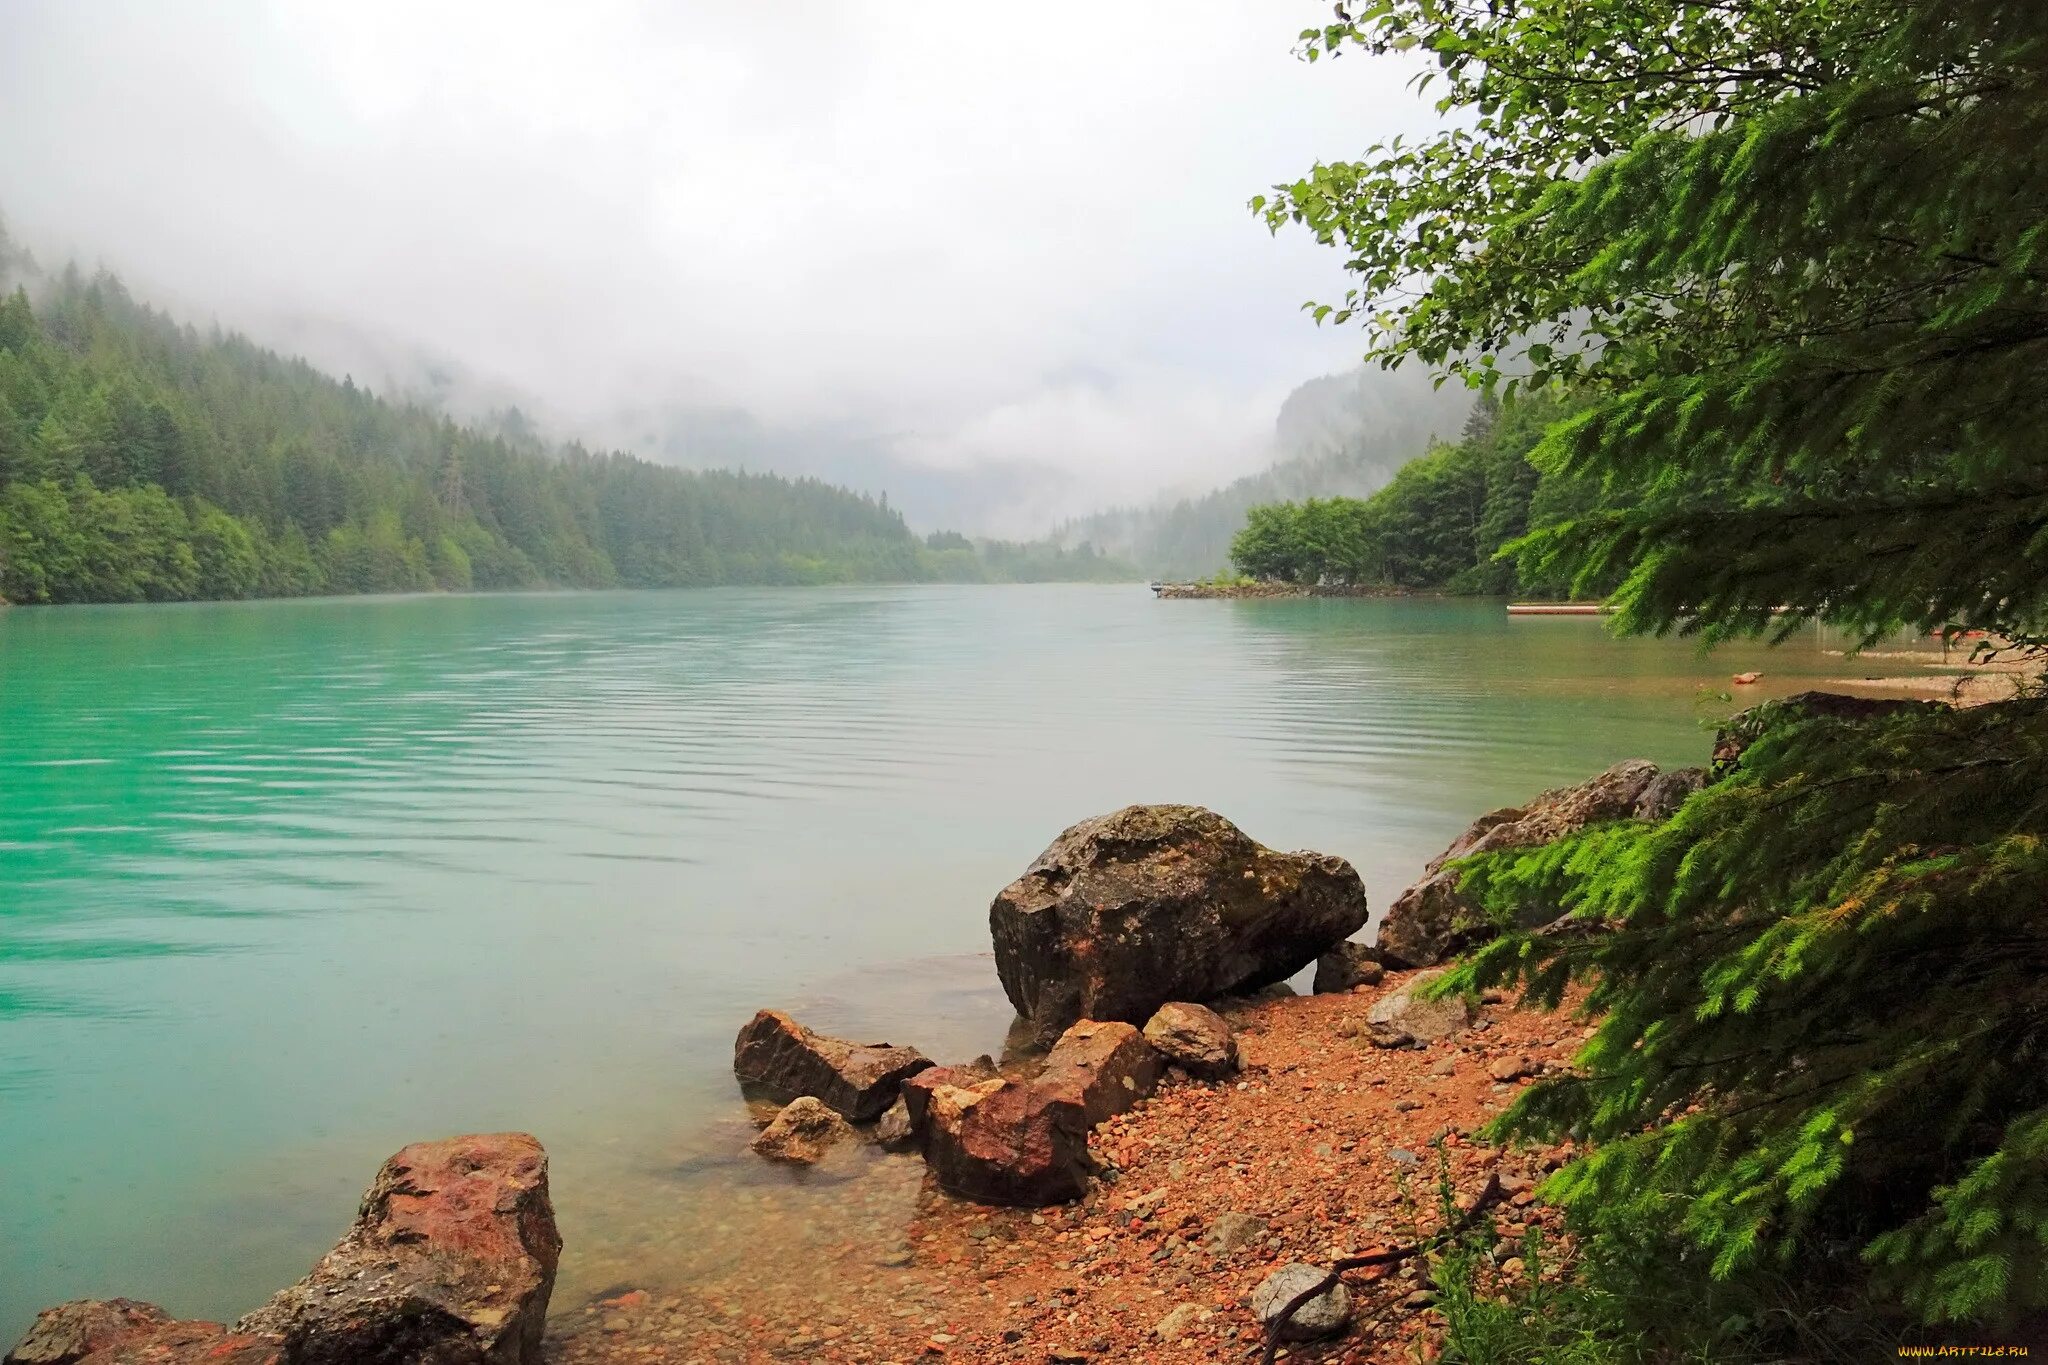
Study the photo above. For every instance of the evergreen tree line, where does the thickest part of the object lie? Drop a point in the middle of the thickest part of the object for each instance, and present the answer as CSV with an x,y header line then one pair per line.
x,y
142,461
1438,524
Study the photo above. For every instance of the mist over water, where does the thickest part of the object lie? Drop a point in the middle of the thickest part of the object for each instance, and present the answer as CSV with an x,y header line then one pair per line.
x,y
290,884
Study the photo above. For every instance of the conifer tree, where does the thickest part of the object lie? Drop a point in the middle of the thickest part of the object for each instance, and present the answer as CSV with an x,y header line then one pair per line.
x,y
1793,260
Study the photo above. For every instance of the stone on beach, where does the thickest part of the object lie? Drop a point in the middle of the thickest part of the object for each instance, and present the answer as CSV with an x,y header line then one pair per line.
x,y
778,1058
1405,1018
1105,1067
802,1133
1348,966
451,1260
1325,1315
1002,1141
1151,904
1194,1038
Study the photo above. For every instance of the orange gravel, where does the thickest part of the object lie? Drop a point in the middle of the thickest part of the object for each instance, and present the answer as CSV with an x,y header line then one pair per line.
x,y
1303,1141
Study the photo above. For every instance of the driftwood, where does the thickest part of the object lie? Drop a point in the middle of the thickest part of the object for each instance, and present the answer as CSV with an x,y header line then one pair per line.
x,y
1489,1195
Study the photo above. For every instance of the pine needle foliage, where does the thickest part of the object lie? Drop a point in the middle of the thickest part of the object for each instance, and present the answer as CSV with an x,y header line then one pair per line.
x,y
1798,249
1823,991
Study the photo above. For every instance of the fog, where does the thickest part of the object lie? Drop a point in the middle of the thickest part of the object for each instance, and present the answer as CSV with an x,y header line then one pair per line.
x,y
995,260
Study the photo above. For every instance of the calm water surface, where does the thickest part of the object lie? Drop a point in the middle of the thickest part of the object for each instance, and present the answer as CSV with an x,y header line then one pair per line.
x,y
284,886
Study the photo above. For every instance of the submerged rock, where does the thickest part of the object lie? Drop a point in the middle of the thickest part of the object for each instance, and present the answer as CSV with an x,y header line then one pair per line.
x,y
1348,966
1325,1315
802,1133
1194,1038
894,1130
451,1261
72,1331
1151,904
1405,1019
780,1059
1432,919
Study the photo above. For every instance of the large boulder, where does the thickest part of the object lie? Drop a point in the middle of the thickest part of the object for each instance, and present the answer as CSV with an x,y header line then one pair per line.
x,y
450,1262
1003,1141
802,1133
1432,919
1150,904
1194,1038
70,1332
777,1058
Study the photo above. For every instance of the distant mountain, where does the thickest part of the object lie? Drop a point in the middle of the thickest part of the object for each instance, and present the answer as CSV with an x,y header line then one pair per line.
x,y
1341,434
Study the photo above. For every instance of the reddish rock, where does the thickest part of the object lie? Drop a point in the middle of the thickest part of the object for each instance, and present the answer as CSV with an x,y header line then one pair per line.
x,y
1151,904
1002,1141
1105,1067
1432,919
197,1343
777,1058
917,1089
1195,1039
451,1261
72,1331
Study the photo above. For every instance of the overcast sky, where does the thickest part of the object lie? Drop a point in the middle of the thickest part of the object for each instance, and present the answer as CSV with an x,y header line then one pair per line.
x,y
963,237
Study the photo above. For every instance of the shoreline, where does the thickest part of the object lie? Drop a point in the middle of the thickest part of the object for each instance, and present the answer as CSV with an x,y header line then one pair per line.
x,y
1176,592
1156,1262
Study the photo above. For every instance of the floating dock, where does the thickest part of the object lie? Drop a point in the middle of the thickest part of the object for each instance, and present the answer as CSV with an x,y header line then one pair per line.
x,y
1559,609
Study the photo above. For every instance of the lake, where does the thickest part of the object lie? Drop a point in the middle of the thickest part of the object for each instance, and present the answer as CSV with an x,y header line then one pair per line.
x,y
290,884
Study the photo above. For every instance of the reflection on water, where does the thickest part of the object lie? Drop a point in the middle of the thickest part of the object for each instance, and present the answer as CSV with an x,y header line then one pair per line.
x,y
287,885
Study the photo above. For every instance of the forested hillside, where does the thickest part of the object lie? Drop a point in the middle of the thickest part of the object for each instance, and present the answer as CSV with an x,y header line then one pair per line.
x,y
1343,434
141,460
1438,524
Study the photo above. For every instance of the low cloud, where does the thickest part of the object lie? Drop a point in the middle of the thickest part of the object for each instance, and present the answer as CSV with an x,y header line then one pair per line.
x,y
957,239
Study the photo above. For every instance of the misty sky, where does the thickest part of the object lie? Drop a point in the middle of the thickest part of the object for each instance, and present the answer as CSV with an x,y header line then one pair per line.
x,y
1006,245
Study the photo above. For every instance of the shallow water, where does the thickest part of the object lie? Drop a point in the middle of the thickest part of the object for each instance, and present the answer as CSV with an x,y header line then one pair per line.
x,y
288,885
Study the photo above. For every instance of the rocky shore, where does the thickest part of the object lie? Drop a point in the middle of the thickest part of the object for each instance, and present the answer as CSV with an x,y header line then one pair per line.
x,y
1164,1169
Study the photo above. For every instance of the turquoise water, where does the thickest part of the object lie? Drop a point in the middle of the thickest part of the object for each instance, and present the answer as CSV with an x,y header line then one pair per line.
x,y
287,885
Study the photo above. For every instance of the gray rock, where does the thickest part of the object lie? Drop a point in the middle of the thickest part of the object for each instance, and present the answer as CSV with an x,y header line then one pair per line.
x,y
1432,919
1151,904
1178,1323
1194,1038
893,1130
1325,1315
1667,792
1348,966
1230,1231
1405,1019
